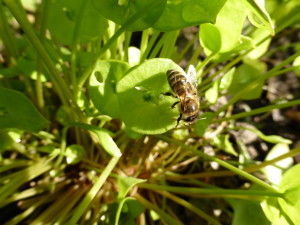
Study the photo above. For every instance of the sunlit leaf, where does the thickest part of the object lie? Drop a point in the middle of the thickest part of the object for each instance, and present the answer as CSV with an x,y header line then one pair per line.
x,y
274,172
102,88
143,106
290,186
244,76
184,13
74,154
227,30
17,111
245,209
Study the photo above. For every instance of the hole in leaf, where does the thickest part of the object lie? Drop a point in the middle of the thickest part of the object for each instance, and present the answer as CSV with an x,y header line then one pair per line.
x,y
113,85
98,76
69,14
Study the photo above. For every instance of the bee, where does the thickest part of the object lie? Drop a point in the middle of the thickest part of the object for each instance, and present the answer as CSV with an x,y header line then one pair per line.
x,y
184,85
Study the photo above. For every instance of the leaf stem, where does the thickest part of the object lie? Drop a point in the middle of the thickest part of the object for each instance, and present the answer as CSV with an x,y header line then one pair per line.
x,y
258,111
79,211
271,73
163,215
220,162
211,191
189,206
59,84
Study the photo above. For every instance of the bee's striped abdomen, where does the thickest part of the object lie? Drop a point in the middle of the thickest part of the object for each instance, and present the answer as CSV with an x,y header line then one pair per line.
x,y
177,81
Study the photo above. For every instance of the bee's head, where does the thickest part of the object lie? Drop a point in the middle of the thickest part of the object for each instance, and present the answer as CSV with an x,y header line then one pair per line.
x,y
191,119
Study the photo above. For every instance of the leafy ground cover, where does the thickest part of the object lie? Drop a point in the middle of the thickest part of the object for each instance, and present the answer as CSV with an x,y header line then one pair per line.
x,y
88,135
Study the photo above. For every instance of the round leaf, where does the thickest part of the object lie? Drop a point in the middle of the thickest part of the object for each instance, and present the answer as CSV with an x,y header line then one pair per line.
x,y
244,76
75,153
121,12
102,88
290,186
62,21
140,93
5,141
229,26
274,172
210,37
17,111
184,13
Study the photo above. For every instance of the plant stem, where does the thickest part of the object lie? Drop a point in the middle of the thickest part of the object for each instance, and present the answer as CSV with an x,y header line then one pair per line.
x,y
211,191
59,84
220,162
150,45
189,206
7,36
79,211
221,173
39,65
157,209
169,45
75,40
271,73
258,111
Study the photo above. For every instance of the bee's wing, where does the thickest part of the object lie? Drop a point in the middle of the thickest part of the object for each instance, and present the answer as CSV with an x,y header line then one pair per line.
x,y
192,76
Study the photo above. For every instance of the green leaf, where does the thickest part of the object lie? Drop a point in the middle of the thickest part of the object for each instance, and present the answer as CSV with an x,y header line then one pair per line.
x,y
140,93
5,141
125,184
63,16
225,34
134,56
127,211
203,123
274,139
227,79
30,4
245,43
245,209
259,16
17,111
148,12
274,172
285,211
290,186
105,138
102,86
75,153
270,138
63,115
297,63
273,211
223,143
285,11
184,13
257,36
210,36
212,93
245,75
9,72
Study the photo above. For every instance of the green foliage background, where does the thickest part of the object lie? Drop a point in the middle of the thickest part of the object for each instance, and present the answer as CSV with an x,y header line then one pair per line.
x,y
87,135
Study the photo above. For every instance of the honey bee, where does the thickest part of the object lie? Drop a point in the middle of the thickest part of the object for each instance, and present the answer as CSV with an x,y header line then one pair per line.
x,y
185,88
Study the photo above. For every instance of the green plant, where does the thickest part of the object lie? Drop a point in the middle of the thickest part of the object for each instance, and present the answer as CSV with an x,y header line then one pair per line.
x,y
94,140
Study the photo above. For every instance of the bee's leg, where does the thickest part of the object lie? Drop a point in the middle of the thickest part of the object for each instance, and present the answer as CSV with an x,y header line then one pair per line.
x,y
174,104
170,94
178,120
